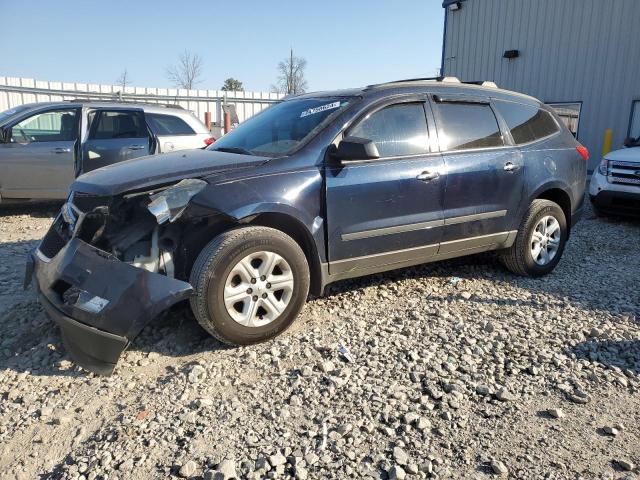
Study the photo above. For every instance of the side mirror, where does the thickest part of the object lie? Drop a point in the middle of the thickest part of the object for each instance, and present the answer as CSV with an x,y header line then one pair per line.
x,y
352,149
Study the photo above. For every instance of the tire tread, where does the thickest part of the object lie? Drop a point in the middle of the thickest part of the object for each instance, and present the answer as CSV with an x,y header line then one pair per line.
x,y
514,258
202,267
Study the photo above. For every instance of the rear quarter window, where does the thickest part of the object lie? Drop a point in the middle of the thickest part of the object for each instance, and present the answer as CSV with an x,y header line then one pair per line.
x,y
526,123
168,125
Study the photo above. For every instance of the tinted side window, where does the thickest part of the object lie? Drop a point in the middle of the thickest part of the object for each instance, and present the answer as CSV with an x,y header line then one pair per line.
x,y
168,125
526,123
396,130
467,125
57,126
110,125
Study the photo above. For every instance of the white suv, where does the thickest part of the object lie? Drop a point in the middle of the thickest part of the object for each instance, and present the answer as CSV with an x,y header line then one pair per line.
x,y
615,184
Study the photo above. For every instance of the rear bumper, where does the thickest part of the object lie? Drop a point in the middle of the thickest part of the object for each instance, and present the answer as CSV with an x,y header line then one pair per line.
x,y
100,303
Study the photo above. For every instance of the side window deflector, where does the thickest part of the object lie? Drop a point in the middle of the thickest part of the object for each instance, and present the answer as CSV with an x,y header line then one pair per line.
x,y
460,99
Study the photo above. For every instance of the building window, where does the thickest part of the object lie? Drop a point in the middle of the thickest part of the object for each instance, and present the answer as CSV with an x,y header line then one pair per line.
x,y
634,121
569,113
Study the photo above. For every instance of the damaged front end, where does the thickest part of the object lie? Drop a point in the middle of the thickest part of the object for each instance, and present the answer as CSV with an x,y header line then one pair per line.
x,y
108,265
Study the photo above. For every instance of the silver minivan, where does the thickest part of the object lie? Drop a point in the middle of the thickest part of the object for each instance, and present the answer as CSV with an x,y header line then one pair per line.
x,y
45,146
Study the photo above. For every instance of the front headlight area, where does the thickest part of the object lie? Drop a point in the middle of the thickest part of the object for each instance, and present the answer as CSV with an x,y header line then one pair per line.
x,y
603,168
171,203
141,228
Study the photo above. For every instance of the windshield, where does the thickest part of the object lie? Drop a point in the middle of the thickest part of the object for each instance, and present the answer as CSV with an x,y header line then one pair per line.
x,y
280,129
7,114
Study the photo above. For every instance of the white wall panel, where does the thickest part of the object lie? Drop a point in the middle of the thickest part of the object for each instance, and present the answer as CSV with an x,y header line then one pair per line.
x,y
18,91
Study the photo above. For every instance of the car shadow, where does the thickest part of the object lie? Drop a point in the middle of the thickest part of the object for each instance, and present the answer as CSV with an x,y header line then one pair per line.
x,y
30,342
34,209
615,354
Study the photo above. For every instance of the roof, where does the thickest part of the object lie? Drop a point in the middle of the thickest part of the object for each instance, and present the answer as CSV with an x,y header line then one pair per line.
x,y
105,104
435,85
446,3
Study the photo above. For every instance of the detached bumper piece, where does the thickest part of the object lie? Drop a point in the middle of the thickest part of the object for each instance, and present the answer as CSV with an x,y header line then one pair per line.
x,y
100,303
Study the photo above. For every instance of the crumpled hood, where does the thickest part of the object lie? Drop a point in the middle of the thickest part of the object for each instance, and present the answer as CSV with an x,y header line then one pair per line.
x,y
154,170
625,155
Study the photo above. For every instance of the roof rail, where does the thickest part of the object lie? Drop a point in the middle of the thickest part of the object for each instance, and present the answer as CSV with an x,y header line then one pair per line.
x,y
482,83
422,79
116,100
446,79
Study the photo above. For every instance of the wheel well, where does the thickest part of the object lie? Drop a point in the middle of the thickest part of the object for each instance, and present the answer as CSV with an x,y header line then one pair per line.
x,y
301,235
561,198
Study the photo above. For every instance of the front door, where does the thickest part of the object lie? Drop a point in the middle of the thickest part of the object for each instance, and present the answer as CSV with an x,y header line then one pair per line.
x,y
484,184
37,159
114,136
387,211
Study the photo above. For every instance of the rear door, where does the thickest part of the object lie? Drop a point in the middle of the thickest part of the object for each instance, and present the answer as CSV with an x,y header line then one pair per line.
x,y
485,172
115,135
37,160
387,211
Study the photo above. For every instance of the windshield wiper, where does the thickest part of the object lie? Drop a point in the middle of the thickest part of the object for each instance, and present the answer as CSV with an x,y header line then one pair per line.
x,y
240,150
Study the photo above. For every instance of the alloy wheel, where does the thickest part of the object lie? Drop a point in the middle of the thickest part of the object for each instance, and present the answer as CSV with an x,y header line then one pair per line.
x,y
258,289
545,240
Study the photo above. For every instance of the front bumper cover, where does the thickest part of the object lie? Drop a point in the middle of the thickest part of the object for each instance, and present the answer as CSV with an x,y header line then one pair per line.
x,y
617,203
96,332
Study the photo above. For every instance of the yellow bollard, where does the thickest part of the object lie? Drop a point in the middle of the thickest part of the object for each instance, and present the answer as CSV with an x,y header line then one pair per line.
x,y
608,139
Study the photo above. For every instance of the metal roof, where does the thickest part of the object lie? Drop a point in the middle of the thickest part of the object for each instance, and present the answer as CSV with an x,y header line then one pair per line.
x,y
446,3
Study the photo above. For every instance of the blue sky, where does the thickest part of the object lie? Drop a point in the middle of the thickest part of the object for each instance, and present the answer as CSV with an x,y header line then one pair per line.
x,y
346,43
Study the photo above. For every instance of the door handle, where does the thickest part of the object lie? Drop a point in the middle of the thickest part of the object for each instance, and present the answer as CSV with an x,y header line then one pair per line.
x,y
511,167
60,150
136,147
428,176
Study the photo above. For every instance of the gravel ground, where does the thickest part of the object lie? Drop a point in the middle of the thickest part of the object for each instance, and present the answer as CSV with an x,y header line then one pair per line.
x,y
454,370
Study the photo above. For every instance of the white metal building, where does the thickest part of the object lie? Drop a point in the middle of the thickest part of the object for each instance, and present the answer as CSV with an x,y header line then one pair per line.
x,y
581,56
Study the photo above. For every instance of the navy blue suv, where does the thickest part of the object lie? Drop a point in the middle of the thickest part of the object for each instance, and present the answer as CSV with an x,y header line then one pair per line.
x,y
318,188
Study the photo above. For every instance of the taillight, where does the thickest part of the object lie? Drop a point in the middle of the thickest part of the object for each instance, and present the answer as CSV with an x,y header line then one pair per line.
x,y
584,153
209,141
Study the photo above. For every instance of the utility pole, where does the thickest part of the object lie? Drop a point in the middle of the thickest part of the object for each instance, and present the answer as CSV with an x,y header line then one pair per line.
x,y
291,80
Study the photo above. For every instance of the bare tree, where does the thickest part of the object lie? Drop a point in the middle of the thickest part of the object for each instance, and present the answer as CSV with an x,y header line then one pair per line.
x,y
123,80
291,79
187,72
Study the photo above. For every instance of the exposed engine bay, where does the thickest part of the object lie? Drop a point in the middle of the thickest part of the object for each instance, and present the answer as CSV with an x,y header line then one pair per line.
x,y
137,228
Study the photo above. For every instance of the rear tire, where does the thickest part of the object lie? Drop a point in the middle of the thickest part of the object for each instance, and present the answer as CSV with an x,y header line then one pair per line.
x,y
540,241
263,269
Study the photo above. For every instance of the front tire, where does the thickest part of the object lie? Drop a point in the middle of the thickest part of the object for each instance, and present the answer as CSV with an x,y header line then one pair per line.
x,y
540,240
250,284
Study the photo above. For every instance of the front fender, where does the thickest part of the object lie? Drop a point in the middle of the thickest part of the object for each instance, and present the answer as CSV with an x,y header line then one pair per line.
x,y
297,194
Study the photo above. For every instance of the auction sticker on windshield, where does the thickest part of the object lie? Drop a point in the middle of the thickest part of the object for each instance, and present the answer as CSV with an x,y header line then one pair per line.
x,y
323,108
